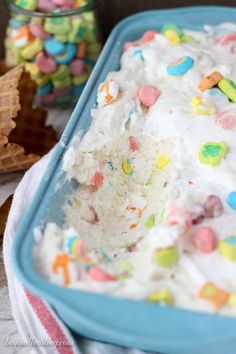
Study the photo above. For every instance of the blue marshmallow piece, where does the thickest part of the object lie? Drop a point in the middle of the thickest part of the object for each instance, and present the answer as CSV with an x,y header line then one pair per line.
x,y
68,54
15,24
232,200
44,90
54,47
138,54
181,66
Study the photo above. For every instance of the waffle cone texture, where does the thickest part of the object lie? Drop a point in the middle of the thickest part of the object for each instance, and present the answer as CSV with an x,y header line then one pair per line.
x,y
24,137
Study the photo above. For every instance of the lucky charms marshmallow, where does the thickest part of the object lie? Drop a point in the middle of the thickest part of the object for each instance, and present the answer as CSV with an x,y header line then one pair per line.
x,y
153,213
59,46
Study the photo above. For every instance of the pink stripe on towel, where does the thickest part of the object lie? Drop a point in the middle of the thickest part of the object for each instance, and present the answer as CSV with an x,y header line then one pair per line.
x,y
50,324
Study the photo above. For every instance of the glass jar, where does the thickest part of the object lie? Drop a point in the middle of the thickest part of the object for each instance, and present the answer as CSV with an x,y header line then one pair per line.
x,y
58,44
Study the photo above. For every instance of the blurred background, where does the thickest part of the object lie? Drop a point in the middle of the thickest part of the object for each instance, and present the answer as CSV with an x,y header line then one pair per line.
x,y
111,11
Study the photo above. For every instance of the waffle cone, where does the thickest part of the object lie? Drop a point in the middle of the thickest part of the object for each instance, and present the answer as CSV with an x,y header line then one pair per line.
x,y
31,131
14,73
9,102
26,138
14,158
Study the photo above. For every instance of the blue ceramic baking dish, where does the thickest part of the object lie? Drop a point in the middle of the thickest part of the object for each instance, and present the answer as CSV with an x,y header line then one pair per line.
x,y
125,322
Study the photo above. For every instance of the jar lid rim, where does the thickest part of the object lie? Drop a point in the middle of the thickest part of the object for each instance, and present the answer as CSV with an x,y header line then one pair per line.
x,y
91,4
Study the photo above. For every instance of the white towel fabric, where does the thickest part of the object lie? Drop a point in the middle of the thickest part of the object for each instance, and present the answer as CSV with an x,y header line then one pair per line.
x,y
35,319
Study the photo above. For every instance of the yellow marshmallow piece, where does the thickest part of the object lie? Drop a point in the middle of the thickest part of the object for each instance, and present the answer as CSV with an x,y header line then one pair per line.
x,y
202,108
232,299
32,49
162,161
161,296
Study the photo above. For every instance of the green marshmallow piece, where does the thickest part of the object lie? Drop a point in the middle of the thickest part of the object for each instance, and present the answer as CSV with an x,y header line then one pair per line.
x,y
13,56
57,25
37,20
186,38
150,223
211,153
62,83
60,74
166,257
9,43
94,48
41,81
126,269
27,4
126,266
22,18
79,80
228,87
171,26
91,34
89,17
61,38
78,31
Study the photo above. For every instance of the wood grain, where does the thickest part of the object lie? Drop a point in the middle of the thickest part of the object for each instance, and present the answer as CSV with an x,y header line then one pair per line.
x,y
4,210
112,11
3,23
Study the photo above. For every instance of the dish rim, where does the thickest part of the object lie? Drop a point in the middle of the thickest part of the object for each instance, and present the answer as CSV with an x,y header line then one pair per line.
x,y
36,283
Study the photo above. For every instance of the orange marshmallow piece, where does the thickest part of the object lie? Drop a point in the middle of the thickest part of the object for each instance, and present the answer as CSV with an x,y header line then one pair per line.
x,y
216,296
62,261
210,81
81,49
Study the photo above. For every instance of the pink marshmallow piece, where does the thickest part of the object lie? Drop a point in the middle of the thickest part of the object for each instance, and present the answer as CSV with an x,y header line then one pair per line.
x,y
204,239
46,63
128,45
133,144
66,3
47,98
98,179
176,214
227,39
148,36
46,5
81,253
98,274
76,67
37,30
225,119
61,92
213,207
148,95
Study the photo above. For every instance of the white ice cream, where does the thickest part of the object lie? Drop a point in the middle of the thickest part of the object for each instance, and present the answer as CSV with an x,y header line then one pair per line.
x,y
124,222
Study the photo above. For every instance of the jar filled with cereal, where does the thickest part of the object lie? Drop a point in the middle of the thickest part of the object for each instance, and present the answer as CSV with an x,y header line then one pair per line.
x,y
58,42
